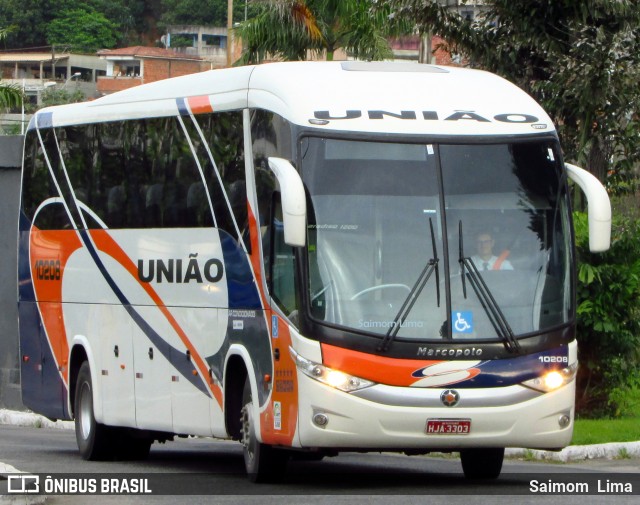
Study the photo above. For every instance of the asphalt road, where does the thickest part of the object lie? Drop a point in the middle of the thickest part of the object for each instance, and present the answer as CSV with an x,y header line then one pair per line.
x,y
214,470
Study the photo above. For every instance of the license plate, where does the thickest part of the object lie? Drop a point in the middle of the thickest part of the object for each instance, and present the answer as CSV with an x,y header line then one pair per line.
x,y
448,426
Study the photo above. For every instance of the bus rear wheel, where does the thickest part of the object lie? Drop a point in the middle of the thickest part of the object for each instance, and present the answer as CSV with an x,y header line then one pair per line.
x,y
262,462
482,463
94,439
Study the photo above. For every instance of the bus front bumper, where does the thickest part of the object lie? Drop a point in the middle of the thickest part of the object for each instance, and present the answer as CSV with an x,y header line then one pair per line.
x,y
395,418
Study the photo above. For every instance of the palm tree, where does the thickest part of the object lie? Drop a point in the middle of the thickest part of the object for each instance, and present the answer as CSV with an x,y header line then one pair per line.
x,y
290,29
10,94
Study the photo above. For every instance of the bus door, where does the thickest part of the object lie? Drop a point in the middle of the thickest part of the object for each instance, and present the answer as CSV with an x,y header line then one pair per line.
x,y
113,331
152,373
282,285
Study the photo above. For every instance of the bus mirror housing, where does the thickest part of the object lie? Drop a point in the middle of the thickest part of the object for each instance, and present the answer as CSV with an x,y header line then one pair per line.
x,y
294,202
599,207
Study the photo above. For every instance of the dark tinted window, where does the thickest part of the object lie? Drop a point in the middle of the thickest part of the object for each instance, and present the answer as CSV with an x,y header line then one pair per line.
x,y
224,138
144,173
132,174
38,185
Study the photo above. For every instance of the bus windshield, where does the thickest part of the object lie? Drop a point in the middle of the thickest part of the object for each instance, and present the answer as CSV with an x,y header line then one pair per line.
x,y
487,223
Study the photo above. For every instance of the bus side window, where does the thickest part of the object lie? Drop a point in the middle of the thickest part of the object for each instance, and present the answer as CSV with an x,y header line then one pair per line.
x,y
222,157
282,265
36,181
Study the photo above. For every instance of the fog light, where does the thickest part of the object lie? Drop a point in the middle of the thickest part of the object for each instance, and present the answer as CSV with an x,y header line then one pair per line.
x,y
320,420
564,421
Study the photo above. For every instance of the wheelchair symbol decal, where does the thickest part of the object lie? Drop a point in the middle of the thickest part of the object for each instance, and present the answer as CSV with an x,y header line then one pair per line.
x,y
462,322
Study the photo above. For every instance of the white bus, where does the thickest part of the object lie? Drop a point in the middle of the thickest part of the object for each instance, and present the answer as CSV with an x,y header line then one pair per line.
x,y
307,258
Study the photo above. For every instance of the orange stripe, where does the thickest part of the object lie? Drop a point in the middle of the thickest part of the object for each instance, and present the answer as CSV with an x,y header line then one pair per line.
x,y
289,398
199,104
498,264
391,371
106,244
255,255
284,390
52,247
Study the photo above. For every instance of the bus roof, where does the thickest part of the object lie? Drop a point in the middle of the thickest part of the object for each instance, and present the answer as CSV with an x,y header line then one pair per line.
x,y
380,97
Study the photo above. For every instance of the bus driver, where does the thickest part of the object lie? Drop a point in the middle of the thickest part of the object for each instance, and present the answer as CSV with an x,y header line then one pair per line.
x,y
485,259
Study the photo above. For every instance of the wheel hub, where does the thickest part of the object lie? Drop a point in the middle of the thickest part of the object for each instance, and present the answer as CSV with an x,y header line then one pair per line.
x,y
85,411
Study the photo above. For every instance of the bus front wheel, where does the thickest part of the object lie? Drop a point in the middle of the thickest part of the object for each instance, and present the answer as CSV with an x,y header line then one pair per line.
x,y
482,463
94,439
262,462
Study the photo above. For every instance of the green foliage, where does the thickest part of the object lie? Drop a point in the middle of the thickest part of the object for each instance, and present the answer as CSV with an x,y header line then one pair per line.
x,y
181,41
290,29
277,33
31,18
608,297
11,95
82,30
135,21
623,453
581,60
59,96
191,12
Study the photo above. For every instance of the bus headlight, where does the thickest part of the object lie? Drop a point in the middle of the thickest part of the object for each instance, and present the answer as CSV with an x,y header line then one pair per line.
x,y
334,378
553,380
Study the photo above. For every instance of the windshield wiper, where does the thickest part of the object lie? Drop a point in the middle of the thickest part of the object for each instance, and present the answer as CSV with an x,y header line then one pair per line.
x,y
488,302
412,297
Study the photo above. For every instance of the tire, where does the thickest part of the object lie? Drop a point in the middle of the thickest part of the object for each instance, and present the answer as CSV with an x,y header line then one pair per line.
x,y
262,462
95,440
482,463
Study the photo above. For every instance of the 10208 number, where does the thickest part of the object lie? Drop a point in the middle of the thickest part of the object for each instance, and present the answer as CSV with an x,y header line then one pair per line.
x,y
48,270
553,359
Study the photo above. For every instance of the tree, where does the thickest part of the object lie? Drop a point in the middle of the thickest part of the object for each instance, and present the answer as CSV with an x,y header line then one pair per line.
x,y
83,30
289,29
608,293
11,96
28,19
191,12
581,60
133,18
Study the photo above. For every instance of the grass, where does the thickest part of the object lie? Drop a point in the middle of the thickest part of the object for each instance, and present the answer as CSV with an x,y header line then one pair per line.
x,y
601,431
623,453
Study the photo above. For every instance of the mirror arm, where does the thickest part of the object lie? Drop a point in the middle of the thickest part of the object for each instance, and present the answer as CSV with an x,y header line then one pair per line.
x,y
599,207
294,202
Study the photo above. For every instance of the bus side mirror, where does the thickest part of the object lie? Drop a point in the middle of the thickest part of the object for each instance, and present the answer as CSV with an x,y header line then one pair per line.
x,y
294,202
599,207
